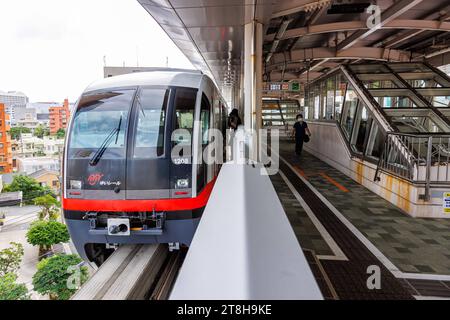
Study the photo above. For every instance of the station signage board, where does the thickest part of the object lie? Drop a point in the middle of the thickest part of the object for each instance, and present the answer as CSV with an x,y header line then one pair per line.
x,y
275,87
281,86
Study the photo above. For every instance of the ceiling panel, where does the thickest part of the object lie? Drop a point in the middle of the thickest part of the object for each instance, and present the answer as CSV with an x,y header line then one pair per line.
x,y
210,32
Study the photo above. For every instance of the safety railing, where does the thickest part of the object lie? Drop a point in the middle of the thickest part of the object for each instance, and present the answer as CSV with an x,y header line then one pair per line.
x,y
420,158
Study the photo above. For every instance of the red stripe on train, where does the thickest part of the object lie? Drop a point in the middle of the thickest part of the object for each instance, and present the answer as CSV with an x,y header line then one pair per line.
x,y
140,205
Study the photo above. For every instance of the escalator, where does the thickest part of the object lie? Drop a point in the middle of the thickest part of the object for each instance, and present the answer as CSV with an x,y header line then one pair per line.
x,y
395,115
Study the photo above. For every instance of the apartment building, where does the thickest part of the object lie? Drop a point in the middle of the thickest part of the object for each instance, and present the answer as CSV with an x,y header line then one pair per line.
x,y
5,142
28,146
53,146
59,117
11,100
31,165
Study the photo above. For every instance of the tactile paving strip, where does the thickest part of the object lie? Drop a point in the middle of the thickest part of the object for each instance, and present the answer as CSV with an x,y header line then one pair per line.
x,y
429,288
349,278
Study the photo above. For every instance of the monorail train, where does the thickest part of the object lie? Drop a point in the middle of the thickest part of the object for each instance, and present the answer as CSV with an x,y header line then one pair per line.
x,y
121,184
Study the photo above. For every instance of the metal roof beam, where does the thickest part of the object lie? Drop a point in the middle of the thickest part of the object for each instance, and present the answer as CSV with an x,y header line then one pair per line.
x,y
422,25
296,66
288,76
319,53
391,13
392,41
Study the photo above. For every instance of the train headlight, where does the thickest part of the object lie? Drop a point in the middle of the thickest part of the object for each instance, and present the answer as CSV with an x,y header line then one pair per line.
x,y
75,184
182,183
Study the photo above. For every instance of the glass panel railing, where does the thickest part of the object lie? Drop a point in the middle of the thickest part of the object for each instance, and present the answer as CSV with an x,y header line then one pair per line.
x,y
438,97
439,101
415,124
397,98
409,67
397,102
423,82
379,84
369,68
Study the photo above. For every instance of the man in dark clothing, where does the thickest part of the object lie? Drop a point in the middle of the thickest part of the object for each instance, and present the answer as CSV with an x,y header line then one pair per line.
x,y
234,120
301,130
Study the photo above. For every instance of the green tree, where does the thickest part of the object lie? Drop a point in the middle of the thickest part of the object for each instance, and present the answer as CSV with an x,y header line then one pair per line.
x,y
10,258
49,207
29,186
41,131
60,133
47,233
60,276
17,131
11,290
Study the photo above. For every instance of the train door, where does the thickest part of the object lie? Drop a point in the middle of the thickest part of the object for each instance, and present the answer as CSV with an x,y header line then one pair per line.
x,y
182,136
149,154
205,119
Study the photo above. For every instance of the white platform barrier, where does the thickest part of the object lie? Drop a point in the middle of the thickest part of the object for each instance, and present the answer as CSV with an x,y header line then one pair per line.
x,y
244,247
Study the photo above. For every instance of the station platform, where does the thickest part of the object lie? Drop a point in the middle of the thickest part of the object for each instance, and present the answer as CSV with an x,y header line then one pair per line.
x,y
344,228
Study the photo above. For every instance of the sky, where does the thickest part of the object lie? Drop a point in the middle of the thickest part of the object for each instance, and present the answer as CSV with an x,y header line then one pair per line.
x,y
53,49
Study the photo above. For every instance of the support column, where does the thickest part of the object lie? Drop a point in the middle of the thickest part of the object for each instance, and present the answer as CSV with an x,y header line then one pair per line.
x,y
253,41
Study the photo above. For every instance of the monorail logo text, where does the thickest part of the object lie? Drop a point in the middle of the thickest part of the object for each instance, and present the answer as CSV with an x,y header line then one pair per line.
x,y
94,178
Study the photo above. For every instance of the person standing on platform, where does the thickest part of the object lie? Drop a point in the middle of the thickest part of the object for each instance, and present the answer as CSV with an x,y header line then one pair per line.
x,y
302,134
234,121
236,133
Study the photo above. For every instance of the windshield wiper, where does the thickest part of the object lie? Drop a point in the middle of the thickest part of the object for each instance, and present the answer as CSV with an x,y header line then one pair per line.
x,y
101,150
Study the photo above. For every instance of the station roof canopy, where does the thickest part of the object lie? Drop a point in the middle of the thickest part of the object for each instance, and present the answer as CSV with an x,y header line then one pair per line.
x,y
304,38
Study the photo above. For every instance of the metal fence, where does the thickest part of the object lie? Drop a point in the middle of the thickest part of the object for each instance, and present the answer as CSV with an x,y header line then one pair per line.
x,y
421,158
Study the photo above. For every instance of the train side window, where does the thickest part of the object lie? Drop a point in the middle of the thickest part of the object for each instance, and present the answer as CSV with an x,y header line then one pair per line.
x,y
204,119
184,115
150,123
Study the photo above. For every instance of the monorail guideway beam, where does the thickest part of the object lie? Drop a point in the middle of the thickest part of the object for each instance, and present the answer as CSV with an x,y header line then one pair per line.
x,y
126,275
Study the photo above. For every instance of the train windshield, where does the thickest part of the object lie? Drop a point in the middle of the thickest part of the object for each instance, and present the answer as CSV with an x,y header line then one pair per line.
x,y
97,116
